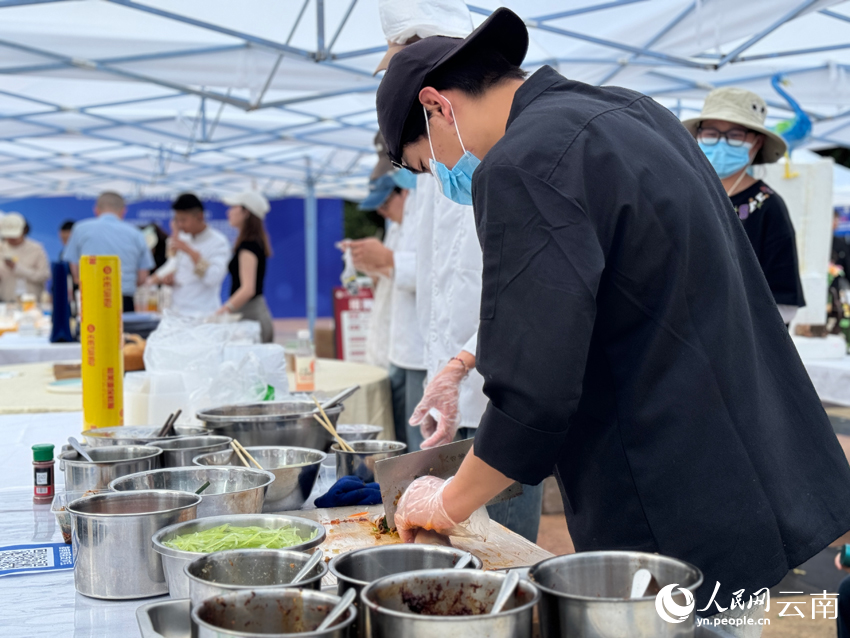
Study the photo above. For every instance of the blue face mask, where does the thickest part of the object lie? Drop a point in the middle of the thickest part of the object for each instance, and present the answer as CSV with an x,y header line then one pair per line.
x,y
727,160
456,184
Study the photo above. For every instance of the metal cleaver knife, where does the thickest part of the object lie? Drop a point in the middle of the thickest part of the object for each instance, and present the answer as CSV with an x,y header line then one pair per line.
x,y
396,474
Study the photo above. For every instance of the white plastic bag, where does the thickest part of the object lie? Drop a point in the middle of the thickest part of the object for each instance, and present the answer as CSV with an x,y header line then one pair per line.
x,y
403,19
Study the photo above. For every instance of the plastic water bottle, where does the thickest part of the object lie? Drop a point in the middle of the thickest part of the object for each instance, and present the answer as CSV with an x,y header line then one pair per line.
x,y
305,363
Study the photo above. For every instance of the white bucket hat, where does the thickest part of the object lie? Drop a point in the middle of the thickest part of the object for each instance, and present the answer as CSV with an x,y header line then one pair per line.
x,y
12,226
252,200
745,108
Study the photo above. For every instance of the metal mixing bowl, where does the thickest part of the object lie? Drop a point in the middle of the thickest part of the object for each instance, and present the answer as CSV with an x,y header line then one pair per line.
x,y
359,432
237,569
179,451
232,490
135,434
289,423
295,471
361,462
271,613
173,560
114,558
109,463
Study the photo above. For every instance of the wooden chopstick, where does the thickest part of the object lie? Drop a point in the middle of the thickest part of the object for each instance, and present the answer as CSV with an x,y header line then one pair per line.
x,y
248,454
165,425
330,428
235,447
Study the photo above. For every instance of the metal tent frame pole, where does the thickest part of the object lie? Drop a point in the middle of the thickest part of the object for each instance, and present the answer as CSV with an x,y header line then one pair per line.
x,y
311,248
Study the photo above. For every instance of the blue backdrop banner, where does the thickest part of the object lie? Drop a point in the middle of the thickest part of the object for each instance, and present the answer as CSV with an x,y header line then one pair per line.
x,y
285,273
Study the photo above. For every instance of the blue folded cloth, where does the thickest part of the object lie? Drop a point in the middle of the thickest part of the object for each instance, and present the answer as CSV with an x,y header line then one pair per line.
x,y
350,490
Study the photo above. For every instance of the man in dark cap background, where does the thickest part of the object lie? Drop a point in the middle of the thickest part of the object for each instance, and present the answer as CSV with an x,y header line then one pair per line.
x,y
628,339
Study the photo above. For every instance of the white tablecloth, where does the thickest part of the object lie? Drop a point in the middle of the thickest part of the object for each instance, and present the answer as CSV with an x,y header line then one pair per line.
x,y
17,349
831,378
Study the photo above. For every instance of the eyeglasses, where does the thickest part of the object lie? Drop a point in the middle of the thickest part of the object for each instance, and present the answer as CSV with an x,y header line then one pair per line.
x,y
735,137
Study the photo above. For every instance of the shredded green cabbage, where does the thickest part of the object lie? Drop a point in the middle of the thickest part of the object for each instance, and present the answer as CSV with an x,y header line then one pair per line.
x,y
226,536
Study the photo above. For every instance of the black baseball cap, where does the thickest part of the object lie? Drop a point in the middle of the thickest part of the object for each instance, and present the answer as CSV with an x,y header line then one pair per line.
x,y
504,31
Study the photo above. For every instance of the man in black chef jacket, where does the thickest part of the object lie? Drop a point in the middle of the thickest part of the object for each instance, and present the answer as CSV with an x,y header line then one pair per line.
x,y
628,340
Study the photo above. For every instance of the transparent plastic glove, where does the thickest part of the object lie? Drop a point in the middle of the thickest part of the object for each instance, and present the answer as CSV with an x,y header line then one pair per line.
x,y
437,413
421,506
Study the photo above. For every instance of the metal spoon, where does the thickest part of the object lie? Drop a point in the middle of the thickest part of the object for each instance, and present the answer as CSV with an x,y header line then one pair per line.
x,y
339,398
506,591
309,566
640,581
463,561
78,448
343,604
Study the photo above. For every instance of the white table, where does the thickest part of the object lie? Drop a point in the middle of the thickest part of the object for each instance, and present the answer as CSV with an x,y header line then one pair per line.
x,y
831,378
15,349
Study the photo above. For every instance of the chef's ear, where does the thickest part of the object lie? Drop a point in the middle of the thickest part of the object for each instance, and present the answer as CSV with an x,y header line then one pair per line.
x,y
436,104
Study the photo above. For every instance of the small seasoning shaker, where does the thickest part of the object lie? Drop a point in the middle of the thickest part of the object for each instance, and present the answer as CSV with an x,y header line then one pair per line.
x,y
42,460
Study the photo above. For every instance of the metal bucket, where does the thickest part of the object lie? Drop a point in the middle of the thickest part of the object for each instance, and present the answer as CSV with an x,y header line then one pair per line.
x,y
357,569
361,462
112,547
258,569
441,603
587,595
179,451
268,614
295,470
289,423
109,463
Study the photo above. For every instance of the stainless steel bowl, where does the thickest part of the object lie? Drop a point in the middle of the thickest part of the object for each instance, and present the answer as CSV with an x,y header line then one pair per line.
x,y
269,614
135,434
258,569
359,432
173,560
295,471
232,490
109,464
113,555
289,423
357,569
361,462
587,594
179,451
447,602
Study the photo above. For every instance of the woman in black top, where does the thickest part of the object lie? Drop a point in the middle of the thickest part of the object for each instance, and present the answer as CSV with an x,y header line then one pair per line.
x,y
731,132
248,266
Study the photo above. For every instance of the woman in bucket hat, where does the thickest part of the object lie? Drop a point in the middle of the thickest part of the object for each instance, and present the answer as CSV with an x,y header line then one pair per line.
x,y
731,132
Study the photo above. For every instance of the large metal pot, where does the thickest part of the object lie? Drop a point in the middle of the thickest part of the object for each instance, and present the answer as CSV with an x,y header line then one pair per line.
x,y
179,451
258,569
357,569
135,434
232,490
440,603
289,423
173,560
112,548
273,613
587,595
109,464
295,470
361,462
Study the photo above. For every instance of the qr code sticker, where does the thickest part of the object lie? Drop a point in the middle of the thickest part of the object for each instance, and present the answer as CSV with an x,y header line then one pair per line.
x,y
26,558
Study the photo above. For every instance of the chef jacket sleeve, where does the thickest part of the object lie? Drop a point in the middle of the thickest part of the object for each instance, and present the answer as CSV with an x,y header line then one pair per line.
x,y
542,266
217,261
405,270
470,346
39,271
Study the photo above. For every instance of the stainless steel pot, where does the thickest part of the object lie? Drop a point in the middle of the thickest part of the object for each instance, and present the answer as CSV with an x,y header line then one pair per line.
x,y
440,603
357,569
358,432
232,490
258,569
112,548
109,463
173,560
289,423
135,434
273,613
179,451
587,595
361,462
295,470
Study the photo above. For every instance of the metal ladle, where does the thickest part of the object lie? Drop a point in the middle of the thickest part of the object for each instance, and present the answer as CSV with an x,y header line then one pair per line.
x,y
640,583
78,448
505,592
309,566
463,561
338,610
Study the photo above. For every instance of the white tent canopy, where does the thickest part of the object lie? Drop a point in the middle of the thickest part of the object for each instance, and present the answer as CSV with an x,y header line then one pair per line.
x,y
150,98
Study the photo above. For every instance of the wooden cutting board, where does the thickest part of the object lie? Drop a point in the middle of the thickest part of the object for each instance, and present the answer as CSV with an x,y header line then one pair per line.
x,y
502,550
